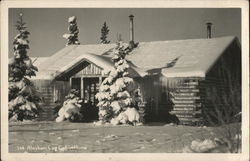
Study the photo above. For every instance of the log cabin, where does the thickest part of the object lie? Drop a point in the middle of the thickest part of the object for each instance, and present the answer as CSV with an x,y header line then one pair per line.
x,y
177,78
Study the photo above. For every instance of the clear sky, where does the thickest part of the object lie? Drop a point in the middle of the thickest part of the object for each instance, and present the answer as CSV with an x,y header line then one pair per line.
x,y
48,25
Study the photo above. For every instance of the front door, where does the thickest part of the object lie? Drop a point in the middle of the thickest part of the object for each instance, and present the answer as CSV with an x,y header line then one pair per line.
x,y
91,87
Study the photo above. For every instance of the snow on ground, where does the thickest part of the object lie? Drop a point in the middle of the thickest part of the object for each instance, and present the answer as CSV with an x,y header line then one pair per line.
x,y
41,137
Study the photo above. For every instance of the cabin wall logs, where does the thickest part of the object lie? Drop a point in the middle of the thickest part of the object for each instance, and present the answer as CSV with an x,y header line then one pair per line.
x,y
186,98
52,94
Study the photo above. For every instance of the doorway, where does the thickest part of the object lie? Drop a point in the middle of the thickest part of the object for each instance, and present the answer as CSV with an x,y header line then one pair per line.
x,y
88,88
91,87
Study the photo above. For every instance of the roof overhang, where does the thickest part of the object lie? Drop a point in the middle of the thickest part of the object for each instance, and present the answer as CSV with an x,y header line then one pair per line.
x,y
103,62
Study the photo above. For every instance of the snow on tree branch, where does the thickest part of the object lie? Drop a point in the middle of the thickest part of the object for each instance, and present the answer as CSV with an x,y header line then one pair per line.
x,y
23,98
114,95
72,36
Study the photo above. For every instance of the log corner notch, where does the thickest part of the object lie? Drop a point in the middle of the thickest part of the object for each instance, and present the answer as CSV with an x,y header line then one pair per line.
x,y
186,98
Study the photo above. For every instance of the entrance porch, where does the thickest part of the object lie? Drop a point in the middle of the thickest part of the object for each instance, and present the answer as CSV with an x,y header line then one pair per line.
x,y
87,81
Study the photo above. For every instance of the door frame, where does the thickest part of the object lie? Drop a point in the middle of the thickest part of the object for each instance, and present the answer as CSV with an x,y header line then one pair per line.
x,y
100,77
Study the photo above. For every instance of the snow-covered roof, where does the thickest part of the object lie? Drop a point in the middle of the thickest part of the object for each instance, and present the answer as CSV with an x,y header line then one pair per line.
x,y
38,60
180,58
176,58
63,58
103,62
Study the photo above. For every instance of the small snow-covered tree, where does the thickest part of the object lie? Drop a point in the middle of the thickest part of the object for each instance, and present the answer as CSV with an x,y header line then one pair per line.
x,y
71,108
72,36
104,33
115,95
23,98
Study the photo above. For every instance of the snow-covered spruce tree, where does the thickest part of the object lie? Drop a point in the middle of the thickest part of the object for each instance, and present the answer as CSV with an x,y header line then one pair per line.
x,y
114,95
72,36
104,33
71,108
23,99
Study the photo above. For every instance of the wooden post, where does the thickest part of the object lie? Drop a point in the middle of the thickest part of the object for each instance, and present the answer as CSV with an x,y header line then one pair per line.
x,y
100,81
82,87
70,82
157,95
54,93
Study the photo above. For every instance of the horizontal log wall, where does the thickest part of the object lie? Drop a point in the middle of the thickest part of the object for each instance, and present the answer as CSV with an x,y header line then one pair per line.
x,y
52,93
217,97
152,94
187,101
194,100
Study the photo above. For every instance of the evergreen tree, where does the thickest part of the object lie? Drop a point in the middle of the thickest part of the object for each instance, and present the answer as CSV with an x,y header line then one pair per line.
x,y
115,93
71,108
104,32
72,37
23,99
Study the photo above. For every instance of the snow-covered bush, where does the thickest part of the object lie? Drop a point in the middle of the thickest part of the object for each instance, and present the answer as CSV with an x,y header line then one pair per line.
x,y
23,98
71,109
72,36
215,145
129,116
115,91
132,115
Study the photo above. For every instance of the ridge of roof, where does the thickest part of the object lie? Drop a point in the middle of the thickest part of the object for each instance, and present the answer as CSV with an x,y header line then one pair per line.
x,y
162,41
183,40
